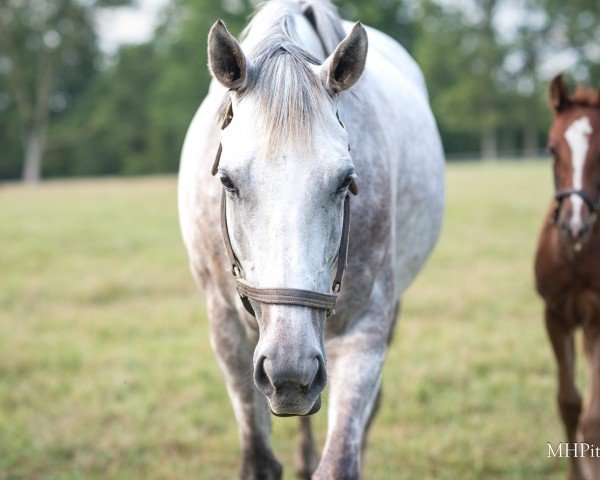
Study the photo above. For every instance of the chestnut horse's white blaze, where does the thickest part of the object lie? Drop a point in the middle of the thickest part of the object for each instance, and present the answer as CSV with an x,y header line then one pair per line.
x,y
578,139
286,169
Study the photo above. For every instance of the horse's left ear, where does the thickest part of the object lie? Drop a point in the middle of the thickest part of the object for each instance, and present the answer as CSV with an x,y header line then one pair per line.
x,y
559,94
345,66
226,59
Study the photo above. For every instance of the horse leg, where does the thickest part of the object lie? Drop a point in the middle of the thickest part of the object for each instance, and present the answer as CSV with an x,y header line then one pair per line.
x,y
306,456
372,415
354,389
356,358
377,403
590,418
568,398
234,350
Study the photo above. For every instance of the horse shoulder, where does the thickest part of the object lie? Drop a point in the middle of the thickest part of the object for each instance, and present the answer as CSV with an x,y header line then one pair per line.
x,y
198,191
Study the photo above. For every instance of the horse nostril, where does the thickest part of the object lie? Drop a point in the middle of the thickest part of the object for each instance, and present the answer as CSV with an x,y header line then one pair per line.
x,y
582,231
306,376
320,379
577,232
261,378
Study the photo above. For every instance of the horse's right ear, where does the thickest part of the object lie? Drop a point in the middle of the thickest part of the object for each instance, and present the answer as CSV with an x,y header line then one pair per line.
x,y
345,66
559,94
226,59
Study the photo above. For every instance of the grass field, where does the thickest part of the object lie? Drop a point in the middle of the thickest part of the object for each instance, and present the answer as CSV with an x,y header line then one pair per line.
x,y
106,370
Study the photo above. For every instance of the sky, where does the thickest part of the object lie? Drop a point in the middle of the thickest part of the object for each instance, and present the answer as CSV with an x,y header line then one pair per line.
x,y
133,24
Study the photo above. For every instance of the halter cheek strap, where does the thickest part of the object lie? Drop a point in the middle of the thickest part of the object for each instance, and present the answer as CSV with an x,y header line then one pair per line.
x,y
287,296
283,296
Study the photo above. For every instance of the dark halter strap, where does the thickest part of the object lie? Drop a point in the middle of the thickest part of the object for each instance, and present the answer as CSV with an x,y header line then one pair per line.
x,y
559,196
589,201
283,296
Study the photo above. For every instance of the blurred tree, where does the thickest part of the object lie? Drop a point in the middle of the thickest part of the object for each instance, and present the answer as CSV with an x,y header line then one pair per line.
x,y
10,165
543,38
397,18
184,78
486,63
148,97
47,50
112,121
461,61
574,28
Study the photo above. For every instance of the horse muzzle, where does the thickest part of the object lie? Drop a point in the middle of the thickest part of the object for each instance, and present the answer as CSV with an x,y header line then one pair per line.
x,y
291,387
315,408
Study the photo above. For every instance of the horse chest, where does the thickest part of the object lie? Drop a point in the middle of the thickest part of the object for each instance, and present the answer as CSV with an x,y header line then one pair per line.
x,y
575,293
569,281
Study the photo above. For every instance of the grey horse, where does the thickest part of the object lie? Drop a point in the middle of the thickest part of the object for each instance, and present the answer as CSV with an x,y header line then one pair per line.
x,y
307,109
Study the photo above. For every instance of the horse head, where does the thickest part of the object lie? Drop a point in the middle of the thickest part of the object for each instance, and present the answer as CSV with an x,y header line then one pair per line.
x,y
286,171
574,141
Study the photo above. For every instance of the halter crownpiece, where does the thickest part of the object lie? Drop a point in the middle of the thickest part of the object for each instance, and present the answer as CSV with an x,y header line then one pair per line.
x,y
283,296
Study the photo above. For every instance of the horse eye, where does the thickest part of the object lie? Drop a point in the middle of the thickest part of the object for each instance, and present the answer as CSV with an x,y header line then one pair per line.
x,y
227,183
345,184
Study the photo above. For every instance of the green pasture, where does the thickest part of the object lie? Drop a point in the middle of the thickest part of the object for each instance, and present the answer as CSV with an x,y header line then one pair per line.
x,y
106,371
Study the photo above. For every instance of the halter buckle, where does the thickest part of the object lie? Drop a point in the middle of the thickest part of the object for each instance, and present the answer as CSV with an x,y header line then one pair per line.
x,y
336,287
236,271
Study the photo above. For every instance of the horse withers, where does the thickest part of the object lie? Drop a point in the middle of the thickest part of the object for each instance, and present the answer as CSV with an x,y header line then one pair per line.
x,y
567,266
309,121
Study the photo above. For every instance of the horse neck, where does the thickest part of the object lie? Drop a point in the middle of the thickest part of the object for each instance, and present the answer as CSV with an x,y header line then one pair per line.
x,y
262,29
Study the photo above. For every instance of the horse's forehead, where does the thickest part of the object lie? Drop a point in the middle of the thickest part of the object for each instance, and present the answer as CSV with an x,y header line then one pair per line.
x,y
577,120
571,130
575,137
578,132
325,147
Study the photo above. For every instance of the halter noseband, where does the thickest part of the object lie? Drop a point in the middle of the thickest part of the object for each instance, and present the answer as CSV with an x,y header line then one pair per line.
x,y
593,205
283,296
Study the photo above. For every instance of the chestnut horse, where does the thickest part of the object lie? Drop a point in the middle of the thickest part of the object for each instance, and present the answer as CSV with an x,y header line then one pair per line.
x,y
567,266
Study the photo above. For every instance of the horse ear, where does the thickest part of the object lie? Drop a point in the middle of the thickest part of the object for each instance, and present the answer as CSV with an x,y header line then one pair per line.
x,y
226,59
559,94
345,66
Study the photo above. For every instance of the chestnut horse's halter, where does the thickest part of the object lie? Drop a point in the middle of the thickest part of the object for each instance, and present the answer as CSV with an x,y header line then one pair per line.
x,y
283,296
593,205
560,195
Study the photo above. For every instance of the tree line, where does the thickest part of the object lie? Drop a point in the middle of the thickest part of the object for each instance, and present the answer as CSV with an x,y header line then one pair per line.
x,y
68,109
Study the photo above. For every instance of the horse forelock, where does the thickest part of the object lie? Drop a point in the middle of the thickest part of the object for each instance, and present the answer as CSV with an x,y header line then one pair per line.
x,y
281,80
287,93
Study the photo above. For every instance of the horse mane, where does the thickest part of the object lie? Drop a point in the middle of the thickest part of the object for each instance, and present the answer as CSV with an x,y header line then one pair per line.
x,y
279,14
280,78
586,97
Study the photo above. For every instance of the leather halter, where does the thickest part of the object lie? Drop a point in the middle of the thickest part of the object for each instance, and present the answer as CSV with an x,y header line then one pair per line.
x,y
592,204
283,296
559,196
